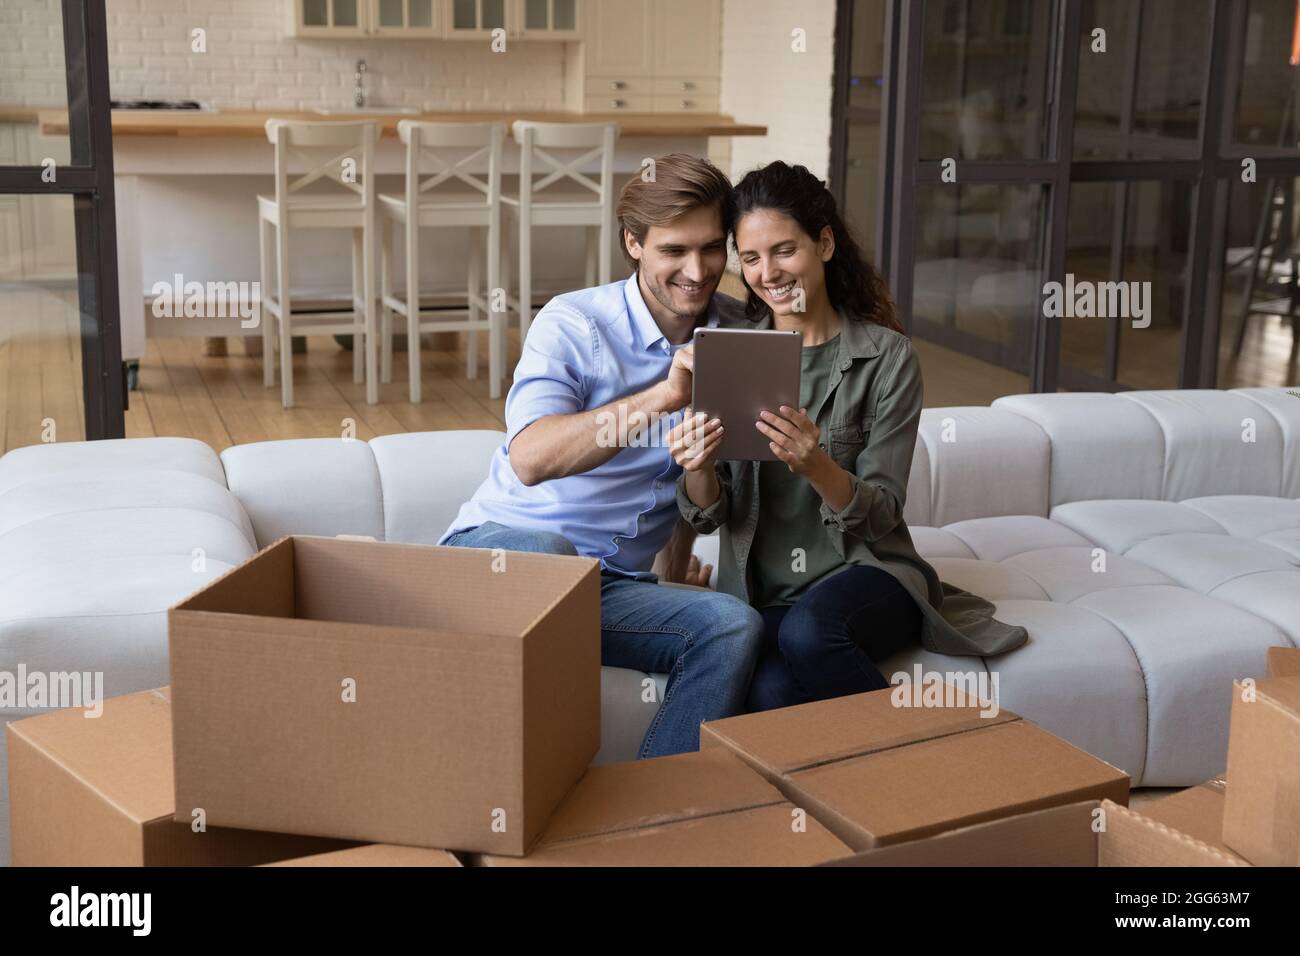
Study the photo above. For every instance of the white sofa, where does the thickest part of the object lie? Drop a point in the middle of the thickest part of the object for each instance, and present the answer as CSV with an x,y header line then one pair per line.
x,y
1199,531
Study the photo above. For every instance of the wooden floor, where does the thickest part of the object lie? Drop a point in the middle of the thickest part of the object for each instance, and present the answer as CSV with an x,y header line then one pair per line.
x,y
222,401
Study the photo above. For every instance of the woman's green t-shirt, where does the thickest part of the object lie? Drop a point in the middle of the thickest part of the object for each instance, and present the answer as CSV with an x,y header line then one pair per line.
x,y
791,551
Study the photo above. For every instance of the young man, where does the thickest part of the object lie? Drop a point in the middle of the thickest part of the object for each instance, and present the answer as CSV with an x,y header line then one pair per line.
x,y
570,480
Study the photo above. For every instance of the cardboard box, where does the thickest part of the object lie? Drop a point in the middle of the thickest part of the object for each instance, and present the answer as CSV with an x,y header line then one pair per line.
x,y
1284,662
98,792
1058,836
1261,819
876,774
1196,811
376,854
694,809
419,696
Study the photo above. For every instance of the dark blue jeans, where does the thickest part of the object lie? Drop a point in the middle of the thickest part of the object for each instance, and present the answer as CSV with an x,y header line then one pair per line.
x,y
826,644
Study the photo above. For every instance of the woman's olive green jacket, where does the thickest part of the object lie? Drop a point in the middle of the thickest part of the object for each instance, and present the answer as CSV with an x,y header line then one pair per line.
x,y
868,424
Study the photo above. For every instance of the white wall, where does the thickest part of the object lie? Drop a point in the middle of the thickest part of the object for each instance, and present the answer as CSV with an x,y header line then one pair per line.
x,y
765,81
253,62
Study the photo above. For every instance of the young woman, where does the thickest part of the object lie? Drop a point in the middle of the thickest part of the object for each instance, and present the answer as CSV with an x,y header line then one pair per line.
x,y
816,541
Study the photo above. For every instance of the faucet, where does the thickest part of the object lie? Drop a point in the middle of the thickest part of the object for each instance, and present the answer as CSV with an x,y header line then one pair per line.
x,y
360,95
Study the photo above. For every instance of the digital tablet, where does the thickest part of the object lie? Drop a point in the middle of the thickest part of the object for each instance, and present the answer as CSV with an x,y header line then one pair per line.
x,y
739,373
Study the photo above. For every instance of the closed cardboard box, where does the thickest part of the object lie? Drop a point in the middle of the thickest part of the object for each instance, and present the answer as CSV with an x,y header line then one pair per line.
x,y
1284,662
1261,819
1197,812
694,809
98,792
376,854
875,773
418,696
1087,833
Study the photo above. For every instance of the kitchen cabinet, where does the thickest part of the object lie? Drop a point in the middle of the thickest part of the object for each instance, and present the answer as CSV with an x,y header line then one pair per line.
x,y
660,56
412,18
331,18
521,19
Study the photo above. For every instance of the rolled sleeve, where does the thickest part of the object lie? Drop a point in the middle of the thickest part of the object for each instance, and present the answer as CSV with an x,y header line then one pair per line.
x,y
882,467
555,370
705,520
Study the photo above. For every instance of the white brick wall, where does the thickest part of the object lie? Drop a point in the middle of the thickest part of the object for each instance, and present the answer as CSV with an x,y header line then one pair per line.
x,y
765,81
253,62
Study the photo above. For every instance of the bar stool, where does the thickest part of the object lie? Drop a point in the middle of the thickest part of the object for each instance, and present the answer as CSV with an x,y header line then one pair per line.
x,y
592,207
342,154
431,144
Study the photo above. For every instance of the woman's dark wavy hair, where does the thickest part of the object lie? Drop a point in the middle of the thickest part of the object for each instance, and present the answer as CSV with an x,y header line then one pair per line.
x,y
852,284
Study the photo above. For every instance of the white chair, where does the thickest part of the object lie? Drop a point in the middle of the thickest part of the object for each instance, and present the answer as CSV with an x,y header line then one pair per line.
x,y
592,207
479,210
329,152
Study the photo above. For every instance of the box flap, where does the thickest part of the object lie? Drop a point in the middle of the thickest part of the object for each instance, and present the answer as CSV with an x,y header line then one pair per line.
x,y
759,837
645,793
1057,836
1284,662
124,755
796,738
1196,811
375,854
1134,839
1283,692
953,781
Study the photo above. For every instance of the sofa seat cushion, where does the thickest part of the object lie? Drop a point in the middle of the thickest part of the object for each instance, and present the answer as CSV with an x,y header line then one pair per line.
x,y
1119,524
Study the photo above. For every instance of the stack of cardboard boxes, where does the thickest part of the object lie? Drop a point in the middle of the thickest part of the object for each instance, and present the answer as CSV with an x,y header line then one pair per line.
x,y
349,703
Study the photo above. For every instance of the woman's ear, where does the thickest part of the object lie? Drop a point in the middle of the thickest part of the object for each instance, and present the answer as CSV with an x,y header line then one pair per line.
x,y
826,244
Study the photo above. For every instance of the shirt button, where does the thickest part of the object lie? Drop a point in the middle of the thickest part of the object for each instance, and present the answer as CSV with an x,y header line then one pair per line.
x,y
659,484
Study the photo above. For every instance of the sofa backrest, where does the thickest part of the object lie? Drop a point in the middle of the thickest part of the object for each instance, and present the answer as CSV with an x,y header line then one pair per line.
x,y
1024,455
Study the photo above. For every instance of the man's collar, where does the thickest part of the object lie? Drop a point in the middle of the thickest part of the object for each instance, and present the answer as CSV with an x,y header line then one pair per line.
x,y
857,338
643,324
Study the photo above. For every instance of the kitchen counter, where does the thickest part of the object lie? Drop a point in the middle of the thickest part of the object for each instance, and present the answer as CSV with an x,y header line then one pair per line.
x,y
249,123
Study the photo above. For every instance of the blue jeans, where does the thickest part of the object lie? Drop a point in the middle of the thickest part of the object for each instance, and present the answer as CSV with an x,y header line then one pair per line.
x,y
825,644
707,643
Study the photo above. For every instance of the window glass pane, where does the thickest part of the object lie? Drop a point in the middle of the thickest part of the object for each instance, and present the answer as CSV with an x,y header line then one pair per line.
x,y
315,13
867,55
861,180
390,13
1267,104
345,13
566,14
32,79
535,15
1142,103
421,13
1157,238
977,265
1090,241
494,14
1259,335
40,322
464,15
984,79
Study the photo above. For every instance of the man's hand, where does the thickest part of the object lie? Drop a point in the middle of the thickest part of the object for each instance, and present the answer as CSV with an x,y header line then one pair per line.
x,y
681,376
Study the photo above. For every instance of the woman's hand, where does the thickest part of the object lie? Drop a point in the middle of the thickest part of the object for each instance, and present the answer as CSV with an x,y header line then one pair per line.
x,y
795,439
694,441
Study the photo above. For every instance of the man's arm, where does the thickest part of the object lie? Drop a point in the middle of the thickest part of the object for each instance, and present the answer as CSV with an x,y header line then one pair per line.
x,y
557,446
677,564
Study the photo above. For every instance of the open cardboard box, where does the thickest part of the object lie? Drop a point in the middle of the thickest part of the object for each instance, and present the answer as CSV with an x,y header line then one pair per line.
x,y
1086,833
875,773
692,809
401,694
98,792
1284,662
